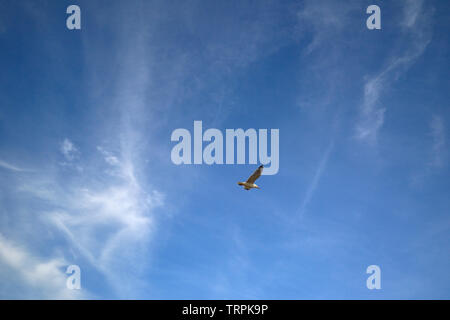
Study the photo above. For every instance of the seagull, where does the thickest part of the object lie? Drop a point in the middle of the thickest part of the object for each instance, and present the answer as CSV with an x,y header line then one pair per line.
x,y
250,183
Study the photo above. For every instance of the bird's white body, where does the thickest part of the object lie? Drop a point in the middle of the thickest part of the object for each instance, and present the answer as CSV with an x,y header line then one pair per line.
x,y
250,183
248,186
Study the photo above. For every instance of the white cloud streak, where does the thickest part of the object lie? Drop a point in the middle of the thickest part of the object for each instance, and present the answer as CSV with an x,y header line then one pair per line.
x,y
106,216
69,150
109,217
316,179
437,128
326,19
45,278
8,166
415,26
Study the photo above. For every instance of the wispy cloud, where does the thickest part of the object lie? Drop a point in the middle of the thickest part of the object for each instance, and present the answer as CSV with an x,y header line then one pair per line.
x,y
371,115
414,27
324,20
109,157
108,214
437,128
8,166
436,150
412,11
110,225
45,278
108,220
69,150
316,179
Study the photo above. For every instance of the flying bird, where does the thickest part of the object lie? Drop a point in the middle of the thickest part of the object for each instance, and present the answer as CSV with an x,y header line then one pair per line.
x,y
250,183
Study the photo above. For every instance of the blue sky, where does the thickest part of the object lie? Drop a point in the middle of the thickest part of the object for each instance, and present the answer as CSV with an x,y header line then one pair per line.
x,y
87,179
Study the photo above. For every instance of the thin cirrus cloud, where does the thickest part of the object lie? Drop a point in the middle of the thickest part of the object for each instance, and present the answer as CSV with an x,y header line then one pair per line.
x,y
104,224
101,220
325,19
105,219
44,278
437,128
109,216
106,177
109,157
8,166
316,179
71,155
69,150
414,27
110,219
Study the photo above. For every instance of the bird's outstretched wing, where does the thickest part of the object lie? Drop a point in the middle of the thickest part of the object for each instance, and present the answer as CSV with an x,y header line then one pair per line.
x,y
255,175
